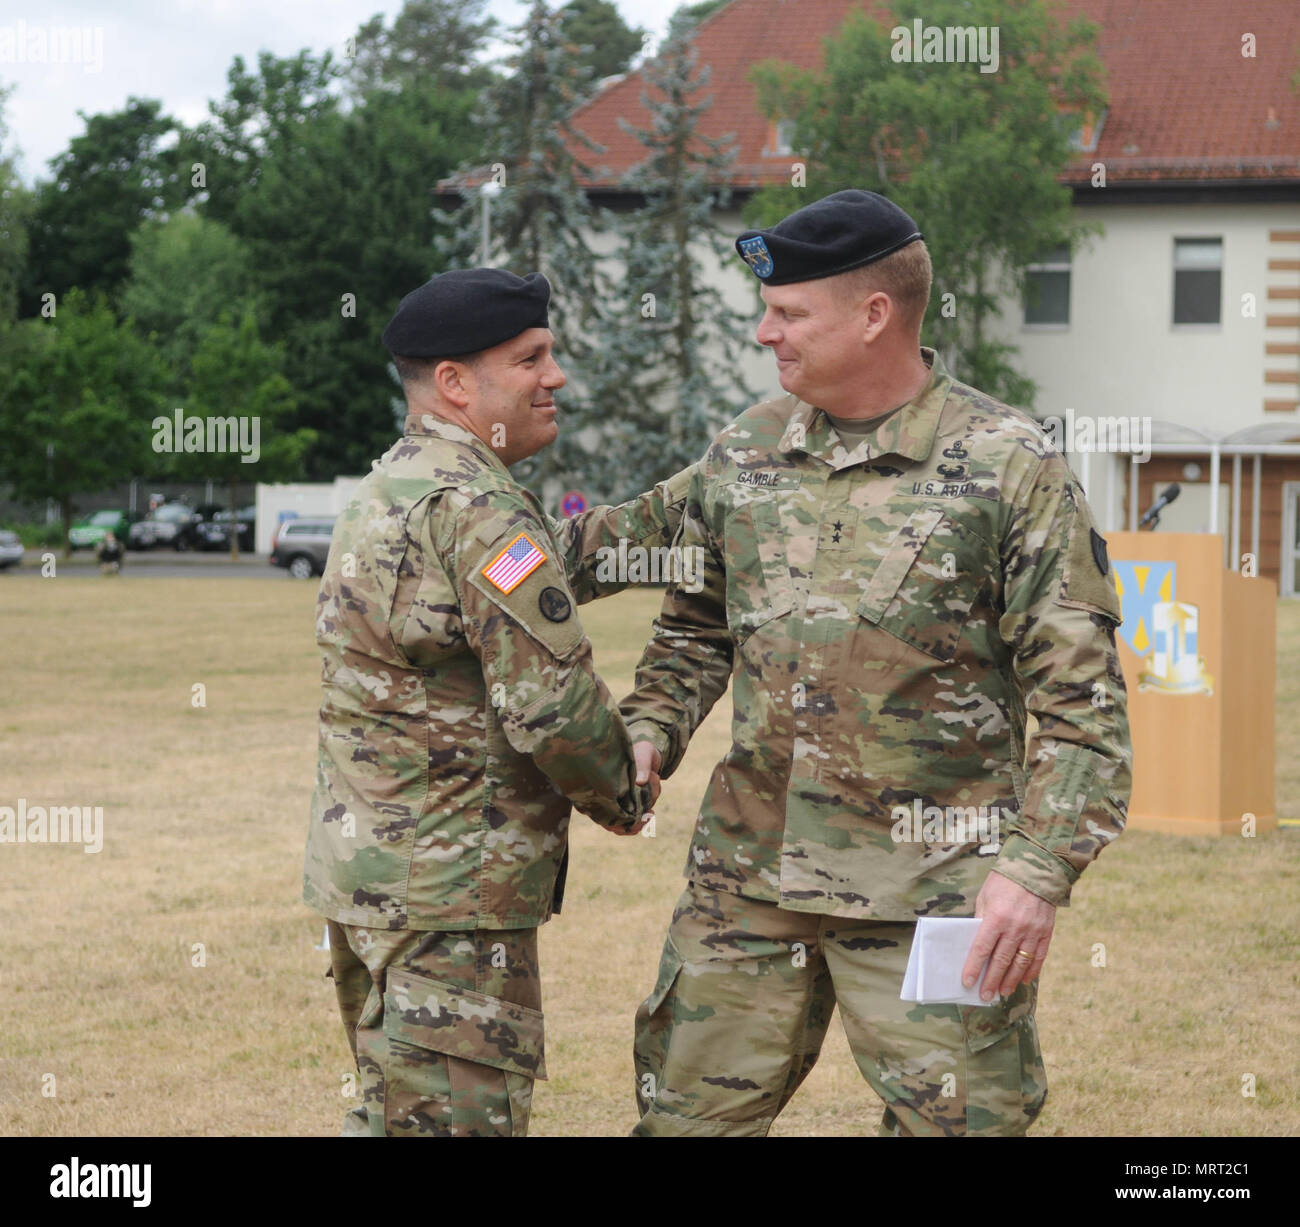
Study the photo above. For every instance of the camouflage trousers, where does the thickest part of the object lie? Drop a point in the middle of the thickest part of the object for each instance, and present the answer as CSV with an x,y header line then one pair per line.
x,y
742,1003
446,1029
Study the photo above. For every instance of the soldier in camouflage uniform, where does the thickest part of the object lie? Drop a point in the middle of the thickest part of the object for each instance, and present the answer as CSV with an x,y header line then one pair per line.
x,y
899,570
461,717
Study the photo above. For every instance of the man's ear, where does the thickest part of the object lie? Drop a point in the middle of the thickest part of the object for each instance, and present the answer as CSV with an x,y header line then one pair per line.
x,y
454,381
877,311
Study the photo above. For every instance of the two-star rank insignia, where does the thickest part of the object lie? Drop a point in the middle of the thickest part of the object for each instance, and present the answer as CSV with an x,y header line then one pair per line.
x,y
837,528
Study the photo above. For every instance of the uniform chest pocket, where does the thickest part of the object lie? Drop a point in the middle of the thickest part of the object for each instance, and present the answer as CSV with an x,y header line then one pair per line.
x,y
759,587
924,587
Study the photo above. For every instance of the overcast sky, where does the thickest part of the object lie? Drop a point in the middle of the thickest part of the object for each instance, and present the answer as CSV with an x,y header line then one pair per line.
x,y
177,51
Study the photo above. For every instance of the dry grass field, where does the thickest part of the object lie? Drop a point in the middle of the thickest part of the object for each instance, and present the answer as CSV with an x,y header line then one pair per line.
x,y
204,817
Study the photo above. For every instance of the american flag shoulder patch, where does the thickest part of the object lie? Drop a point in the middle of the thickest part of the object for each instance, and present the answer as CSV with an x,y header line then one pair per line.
x,y
514,564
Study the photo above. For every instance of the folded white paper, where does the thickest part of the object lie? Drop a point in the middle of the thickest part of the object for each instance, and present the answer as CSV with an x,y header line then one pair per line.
x,y
939,952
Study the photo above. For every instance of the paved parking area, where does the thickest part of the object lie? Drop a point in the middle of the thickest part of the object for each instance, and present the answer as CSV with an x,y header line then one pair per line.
x,y
155,564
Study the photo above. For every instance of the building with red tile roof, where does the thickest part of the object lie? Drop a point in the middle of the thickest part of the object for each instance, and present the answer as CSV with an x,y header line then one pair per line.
x,y
1184,316
1201,149
1186,105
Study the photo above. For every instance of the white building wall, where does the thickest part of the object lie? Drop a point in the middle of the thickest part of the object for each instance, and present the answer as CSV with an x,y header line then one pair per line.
x,y
286,501
1121,353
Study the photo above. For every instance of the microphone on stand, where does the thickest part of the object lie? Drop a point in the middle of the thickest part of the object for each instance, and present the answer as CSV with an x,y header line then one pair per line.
x,y
1152,514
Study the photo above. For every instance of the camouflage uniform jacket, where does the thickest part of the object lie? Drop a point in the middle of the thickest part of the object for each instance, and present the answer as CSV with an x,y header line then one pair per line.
x,y
461,712
889,616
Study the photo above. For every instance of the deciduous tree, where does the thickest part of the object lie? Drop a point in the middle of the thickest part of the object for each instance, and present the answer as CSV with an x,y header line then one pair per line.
x,y
975,156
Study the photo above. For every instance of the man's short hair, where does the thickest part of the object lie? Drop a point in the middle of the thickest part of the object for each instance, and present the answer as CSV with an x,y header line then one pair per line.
x,y
418,370
904,275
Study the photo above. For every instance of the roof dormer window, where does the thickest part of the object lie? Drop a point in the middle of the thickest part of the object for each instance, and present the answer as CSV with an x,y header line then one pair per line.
x,y
1084,138
780,134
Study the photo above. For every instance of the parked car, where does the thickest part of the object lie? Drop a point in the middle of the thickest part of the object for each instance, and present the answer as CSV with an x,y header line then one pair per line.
x,y
87,533
301,546
213,533
202,514
165,525
11,549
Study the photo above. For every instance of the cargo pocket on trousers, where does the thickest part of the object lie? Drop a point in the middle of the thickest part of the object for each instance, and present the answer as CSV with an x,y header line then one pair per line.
x,y
1006,1084
473,1030
654,1024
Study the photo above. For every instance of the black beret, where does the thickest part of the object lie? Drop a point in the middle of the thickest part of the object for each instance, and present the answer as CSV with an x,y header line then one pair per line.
x,y
832,235
466,310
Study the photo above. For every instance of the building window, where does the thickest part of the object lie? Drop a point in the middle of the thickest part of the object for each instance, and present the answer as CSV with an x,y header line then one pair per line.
x,y
1198,280
1084,138
1047,289
779,135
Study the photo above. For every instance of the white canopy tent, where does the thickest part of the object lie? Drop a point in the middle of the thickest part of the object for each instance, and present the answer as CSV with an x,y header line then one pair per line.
x,y
1172,439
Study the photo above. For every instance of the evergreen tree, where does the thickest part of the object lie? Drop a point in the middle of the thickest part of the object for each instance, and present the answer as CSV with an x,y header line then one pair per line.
x,y
263,115
602,40
541,221
432,45
671,364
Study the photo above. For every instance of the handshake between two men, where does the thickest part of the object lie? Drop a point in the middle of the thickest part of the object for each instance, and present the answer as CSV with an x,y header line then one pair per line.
x,y
897,571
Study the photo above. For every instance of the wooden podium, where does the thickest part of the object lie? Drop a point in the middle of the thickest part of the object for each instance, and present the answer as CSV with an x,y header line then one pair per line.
x,y
1198,648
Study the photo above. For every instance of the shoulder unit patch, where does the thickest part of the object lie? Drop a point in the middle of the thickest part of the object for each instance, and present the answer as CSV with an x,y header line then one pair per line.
x,y
1099,554
554,605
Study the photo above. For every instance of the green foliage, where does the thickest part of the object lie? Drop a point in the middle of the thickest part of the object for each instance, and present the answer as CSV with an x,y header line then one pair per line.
x,y
339,229
35,536
185,271
263,114
668,371
234,376
540,220
432,46
80,391
15,210
973,156
234,372
604,43
111,178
